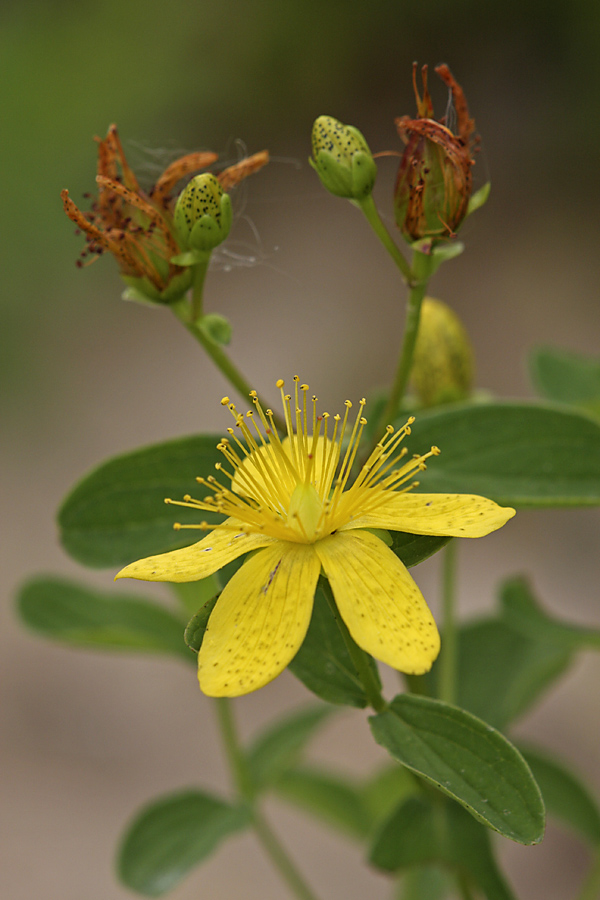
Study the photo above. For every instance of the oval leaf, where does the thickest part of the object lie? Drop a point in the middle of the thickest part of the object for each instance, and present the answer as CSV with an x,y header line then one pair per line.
x,y
65,611
467,760
501,671
279,748
519,454
564,795
567,377
171,836
421,832
117,513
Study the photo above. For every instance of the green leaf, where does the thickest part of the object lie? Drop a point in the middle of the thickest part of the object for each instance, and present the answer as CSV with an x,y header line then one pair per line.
x,y
333,800
502,672
414,548
279,748
479,198
194,594
519,454
425,883
171,836
117,513
194,632
567,377
466,759
421,831
383,792
443,253
65,611
323,663
564,795
521,611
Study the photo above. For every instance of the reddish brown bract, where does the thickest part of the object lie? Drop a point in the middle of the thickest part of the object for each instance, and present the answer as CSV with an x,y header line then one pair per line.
x,y
434,180
137,227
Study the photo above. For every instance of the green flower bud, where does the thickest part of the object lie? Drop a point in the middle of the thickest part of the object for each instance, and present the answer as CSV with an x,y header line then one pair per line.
x,y
202,214
342,159
443,361
217,327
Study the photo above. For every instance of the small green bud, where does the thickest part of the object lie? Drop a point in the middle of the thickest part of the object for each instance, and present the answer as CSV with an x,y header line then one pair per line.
x,y
202,214
217,327
443,361
342,159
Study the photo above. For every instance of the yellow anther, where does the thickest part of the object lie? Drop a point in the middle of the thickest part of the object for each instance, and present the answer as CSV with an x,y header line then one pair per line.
x,y
187,498
253,394
436,451
224,401
176,526
348,404
296,378
279,383
303,387
411,420
362,420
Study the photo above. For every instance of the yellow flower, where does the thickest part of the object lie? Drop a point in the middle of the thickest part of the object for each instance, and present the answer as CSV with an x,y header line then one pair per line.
x,y
293,502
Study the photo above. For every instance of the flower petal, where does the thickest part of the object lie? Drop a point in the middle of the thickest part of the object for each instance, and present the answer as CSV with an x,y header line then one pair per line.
x,y
260,620
224,544
455,515
378,600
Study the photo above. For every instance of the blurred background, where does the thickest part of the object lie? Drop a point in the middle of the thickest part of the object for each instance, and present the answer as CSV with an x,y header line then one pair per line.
x,y
88,738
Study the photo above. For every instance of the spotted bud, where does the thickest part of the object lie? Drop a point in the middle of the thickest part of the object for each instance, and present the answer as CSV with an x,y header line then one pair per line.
x,y
342,159
202,215
443,361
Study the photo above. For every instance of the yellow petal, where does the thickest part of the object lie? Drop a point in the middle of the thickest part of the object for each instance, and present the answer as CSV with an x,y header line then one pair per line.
x,y
378,600
224,544
456,515
260,620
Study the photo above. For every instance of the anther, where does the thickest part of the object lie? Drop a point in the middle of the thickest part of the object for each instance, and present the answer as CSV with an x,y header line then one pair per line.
x,y
224,401
279,383
176,526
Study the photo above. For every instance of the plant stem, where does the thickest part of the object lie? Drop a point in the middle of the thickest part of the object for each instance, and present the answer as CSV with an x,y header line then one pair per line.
x,y
245,788
591,886
464,887
233,749
280,859
421,272
374,219
219,357
200,271
359,658
448,659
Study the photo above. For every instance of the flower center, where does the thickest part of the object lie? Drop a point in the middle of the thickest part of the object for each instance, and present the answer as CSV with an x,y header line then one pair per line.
x,y
299,488
305,511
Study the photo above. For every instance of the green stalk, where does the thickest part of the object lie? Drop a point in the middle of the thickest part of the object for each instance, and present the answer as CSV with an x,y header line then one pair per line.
x,y
359,658
200,271
374,219
245,788
448,658
213,349
420,274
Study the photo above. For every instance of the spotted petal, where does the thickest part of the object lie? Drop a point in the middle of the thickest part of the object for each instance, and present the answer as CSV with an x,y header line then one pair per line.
x,y
453,515
378,600
224,544
260,620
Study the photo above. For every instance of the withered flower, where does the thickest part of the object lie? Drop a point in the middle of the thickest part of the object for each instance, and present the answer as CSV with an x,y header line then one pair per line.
x,y
136,226
434,179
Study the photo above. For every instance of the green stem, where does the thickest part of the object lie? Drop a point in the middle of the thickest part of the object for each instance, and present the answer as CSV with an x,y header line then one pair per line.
x,y
359,658
235,755
591,886
464,887
421,272
220,358
448,658
373,218
245,788
200,271
281,860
